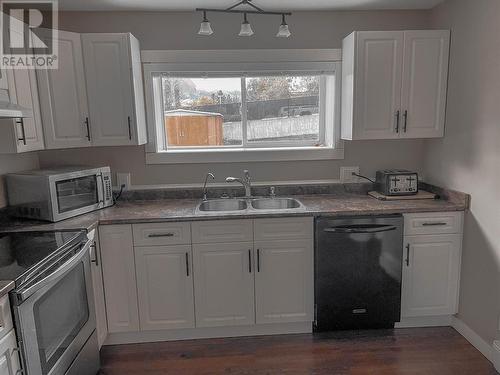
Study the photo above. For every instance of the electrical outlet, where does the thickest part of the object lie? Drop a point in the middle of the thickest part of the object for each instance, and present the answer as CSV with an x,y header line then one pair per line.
x,y
346,174
123,179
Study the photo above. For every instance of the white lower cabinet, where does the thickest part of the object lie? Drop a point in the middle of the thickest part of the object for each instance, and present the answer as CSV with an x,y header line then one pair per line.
x,y
98,288
431,275
165,287
9,355
232,278
224,284
284,281
431,264
120,286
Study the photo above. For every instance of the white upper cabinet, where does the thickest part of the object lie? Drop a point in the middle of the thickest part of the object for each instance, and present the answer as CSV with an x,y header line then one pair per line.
x,y
22,134
374,78
394,84
114,89
63,96
425,77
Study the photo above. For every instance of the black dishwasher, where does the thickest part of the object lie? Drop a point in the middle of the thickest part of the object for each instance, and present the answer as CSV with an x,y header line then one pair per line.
x,y
357,282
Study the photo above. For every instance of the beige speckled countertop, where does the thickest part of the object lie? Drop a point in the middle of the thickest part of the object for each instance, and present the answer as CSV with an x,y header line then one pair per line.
x,y
185,210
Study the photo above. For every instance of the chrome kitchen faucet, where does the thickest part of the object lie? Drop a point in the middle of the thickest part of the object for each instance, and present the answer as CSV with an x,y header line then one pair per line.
x,y
245,181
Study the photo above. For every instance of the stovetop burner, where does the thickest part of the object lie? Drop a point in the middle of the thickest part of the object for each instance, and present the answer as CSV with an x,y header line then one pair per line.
x,y
22,251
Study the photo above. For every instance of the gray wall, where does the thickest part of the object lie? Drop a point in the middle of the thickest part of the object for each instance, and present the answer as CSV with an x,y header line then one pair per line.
x,y
157,30
468,158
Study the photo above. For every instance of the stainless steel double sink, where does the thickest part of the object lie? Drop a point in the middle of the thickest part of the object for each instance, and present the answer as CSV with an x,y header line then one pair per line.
x,y
241,204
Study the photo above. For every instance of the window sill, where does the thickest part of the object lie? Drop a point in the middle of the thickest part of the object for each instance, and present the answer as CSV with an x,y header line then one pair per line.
x,y
248,155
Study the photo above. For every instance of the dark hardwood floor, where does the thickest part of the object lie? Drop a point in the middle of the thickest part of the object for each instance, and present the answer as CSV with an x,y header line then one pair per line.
x,y
429,351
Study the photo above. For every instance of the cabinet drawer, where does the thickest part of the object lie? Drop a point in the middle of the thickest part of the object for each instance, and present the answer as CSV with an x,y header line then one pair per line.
x,y
157,234
283,228
433,223
5,316
222,231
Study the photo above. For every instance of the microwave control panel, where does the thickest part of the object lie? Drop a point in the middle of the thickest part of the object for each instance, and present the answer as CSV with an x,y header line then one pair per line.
x,y
108,191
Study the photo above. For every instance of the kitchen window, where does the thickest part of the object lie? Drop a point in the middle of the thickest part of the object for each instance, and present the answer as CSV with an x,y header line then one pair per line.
x,y
255,115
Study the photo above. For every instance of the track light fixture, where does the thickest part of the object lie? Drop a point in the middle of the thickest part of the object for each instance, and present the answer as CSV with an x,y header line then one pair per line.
x,y
283,31
246,28
205,27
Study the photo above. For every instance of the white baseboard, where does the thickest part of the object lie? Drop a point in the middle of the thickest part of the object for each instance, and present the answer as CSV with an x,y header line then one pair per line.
x,y
211,332
472,337
425,321
495,352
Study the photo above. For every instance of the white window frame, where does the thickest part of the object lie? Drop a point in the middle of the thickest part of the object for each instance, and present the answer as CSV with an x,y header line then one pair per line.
x,y
233,62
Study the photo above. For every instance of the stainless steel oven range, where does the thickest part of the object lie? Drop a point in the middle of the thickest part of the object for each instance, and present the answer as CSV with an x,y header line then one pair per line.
x,y
52,302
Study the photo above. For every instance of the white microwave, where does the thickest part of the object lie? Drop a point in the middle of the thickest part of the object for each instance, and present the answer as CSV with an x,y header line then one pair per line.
x,y
59,193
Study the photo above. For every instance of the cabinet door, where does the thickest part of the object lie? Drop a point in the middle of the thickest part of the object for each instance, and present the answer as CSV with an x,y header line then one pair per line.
x,y
9,357
63,96
23,90
110,88
284,282
425,75
431,270
118,270
98,287
165,287
224,284
378,84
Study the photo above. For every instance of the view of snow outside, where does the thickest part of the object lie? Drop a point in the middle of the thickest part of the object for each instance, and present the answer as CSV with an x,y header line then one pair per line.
x,y
279,108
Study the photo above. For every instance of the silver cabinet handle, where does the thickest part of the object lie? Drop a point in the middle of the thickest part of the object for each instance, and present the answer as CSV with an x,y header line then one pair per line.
x,y
249,260
187,264
436,224
405,116
156,235
407,260
20,121
129,128
258,260
397,121
87,125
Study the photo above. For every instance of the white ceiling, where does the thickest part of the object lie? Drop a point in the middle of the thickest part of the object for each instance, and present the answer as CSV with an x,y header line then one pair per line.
x,y
189,5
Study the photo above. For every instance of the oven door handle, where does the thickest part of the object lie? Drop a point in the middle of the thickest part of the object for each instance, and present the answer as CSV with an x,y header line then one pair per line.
x,y
23,294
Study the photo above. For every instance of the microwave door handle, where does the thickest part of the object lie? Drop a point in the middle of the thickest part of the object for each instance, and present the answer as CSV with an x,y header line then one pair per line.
x,y
100,191
23,294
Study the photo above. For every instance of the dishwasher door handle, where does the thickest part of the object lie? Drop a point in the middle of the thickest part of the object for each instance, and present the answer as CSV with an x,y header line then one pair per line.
x,y
360,229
